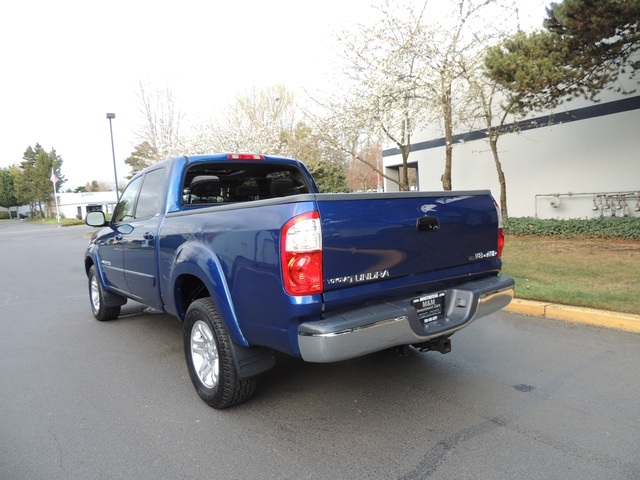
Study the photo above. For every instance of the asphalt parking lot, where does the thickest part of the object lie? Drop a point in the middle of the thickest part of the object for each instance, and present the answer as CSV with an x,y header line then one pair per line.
x,y
518,397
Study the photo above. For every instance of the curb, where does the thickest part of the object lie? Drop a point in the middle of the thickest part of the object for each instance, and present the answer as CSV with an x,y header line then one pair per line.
x,y
587,316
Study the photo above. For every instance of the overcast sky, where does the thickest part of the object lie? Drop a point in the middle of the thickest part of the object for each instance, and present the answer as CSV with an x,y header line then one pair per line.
x,y
66,63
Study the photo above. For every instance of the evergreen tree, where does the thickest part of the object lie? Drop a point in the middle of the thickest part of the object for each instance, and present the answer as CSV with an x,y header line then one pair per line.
x,y
33,178
143,156
585,46
7,190
329,176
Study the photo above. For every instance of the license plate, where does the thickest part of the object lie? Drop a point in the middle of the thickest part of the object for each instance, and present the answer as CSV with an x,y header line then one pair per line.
x,y
429,307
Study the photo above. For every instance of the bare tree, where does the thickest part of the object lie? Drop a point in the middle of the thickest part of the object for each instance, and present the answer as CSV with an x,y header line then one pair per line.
x,y
270,113
384,97
270,121
494,110
257,121
488,102
446,47
160,126
404,72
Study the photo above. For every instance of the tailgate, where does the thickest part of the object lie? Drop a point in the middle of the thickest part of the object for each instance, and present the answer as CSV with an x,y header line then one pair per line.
x,y
375,237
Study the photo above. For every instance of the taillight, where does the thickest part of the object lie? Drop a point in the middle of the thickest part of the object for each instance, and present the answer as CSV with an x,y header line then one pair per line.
x,y
500,230
301,255
500,242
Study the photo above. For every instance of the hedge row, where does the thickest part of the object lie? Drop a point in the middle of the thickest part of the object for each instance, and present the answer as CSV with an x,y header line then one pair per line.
x,y
627,228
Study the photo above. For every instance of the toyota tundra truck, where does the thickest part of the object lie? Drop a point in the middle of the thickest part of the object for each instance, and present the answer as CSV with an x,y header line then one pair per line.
x,y
246,252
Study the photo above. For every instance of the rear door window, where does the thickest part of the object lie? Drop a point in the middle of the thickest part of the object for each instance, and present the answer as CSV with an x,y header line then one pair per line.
x,y
126,204
151,194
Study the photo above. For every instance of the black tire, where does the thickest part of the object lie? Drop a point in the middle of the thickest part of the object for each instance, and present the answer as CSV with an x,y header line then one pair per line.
x,y
96,298
209,355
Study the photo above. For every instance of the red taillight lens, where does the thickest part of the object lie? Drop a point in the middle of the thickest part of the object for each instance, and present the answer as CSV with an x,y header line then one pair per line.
x,y
301,255
304,273
244,156
500,230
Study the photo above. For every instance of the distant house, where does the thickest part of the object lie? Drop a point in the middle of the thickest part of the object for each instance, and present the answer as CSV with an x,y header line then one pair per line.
x,y
580,162
76,205
70,205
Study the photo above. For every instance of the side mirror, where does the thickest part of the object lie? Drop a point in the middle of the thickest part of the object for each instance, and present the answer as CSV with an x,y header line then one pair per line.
x,y
95,219
124,228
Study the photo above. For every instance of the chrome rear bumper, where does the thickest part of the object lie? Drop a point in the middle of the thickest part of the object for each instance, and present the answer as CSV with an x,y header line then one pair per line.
x,y
388,324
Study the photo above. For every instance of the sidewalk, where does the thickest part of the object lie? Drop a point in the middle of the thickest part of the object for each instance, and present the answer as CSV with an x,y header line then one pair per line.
x,y
588,316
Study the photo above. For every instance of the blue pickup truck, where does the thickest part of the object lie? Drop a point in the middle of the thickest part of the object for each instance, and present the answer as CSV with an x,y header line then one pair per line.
x,y
252,259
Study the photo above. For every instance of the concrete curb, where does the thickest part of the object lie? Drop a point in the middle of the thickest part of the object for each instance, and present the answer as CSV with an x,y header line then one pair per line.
x,y
588,316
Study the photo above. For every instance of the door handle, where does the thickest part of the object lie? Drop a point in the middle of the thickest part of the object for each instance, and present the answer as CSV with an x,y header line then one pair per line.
x,y
119,237
427,224
148,236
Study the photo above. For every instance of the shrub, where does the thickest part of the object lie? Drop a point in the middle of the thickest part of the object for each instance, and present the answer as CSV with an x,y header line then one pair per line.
x,y
627,228
4,215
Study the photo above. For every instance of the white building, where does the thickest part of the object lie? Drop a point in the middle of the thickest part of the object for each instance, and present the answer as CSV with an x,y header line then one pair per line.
x,y
70,205
76,205
582,162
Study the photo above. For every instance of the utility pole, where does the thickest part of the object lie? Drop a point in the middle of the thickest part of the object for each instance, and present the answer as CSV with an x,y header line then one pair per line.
x,y
113,153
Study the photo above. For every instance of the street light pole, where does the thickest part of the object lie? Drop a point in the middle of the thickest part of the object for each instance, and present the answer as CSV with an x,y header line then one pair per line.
x,y
113,153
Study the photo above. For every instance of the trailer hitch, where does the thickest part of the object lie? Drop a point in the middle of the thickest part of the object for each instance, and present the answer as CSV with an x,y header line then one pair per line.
x,y
441,344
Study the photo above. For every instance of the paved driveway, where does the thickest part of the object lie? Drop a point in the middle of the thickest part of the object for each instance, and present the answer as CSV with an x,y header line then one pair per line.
x,y
518,397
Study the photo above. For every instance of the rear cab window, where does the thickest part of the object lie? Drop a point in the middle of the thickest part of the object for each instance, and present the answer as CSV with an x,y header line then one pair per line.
x,y
230,182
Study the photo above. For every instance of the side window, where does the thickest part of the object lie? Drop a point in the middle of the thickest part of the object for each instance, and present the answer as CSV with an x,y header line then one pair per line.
x,y
150,197
124,209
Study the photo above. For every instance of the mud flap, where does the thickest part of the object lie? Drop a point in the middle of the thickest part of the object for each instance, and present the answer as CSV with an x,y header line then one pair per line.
x,y
251,361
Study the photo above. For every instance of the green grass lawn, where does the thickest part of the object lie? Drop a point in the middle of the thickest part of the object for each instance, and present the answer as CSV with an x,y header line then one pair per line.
x,y
595,273
64,222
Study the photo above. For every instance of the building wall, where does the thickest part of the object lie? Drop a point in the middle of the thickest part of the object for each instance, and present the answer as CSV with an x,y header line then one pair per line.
x,y
71,205
591,148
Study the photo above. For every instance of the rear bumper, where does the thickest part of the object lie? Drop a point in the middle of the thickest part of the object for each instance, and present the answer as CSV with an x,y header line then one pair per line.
x,y
388,324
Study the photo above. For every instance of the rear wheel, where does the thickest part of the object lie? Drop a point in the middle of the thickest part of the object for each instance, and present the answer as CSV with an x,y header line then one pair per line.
x,y
209,356
96,296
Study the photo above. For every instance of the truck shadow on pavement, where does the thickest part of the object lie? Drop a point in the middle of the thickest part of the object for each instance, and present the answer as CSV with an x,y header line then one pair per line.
x,y
384,383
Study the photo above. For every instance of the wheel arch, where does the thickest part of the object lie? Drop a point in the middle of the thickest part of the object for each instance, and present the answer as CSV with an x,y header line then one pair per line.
x,y
88,263
197,273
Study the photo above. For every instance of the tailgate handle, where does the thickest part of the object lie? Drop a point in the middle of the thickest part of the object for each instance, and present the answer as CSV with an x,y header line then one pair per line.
x,y
427,224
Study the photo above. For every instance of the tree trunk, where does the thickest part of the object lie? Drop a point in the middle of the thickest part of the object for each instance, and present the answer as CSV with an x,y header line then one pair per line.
x,y
446,177
501,179
404,171
448,135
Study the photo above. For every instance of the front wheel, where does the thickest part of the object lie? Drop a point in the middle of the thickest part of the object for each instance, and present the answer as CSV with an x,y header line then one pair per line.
x,y
209,355
96,296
